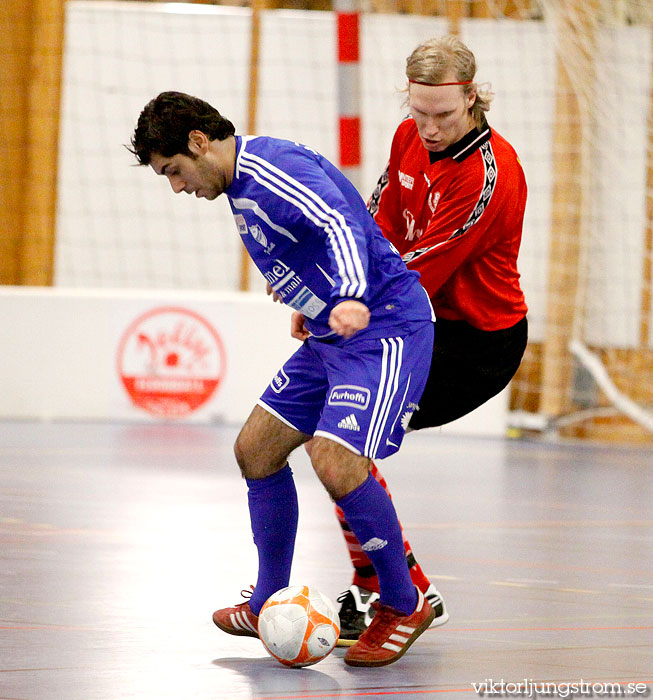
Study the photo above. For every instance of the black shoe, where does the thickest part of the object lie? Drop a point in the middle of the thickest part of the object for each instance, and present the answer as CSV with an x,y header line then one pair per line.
x,y
356,612
441,615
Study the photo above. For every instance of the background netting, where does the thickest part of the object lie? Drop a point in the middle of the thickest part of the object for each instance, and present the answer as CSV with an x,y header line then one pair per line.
x,y
573,83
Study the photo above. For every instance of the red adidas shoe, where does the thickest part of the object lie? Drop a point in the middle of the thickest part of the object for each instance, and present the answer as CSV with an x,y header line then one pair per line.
x,y
239,620
390,634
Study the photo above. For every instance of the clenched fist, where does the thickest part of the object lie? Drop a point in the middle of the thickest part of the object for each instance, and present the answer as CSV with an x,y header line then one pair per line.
x,y
348,317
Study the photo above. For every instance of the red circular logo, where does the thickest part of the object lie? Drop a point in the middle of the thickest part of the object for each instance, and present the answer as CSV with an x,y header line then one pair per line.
x,y
171,361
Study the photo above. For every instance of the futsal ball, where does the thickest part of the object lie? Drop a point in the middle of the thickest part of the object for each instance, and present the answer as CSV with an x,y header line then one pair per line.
x,y
298,626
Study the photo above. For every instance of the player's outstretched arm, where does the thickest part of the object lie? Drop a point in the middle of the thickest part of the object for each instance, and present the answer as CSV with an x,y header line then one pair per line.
x,y
349,316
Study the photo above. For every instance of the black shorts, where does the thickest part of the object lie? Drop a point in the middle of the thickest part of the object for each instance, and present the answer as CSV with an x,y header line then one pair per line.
x,y
468,367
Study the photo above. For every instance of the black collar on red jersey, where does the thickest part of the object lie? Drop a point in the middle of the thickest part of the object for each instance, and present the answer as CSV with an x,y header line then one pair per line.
x,y
466,146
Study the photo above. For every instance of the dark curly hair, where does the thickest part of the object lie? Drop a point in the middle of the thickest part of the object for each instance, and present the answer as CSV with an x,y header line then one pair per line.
x,y
167,120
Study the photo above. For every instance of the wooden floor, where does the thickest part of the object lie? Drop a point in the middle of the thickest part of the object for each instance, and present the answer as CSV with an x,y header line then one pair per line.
x,y
118,542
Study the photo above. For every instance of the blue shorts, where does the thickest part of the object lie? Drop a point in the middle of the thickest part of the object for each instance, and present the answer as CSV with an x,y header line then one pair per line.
x,y
360,393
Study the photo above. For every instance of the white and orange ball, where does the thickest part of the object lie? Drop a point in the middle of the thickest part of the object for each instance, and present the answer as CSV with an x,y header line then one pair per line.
x,y
298,626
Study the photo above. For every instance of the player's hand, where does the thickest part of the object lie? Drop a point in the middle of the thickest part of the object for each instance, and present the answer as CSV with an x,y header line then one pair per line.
x,y
275,296
348,317
297,328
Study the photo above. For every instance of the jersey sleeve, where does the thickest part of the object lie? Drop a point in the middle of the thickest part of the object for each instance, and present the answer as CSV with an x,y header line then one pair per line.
x,y
318,208
459,230
385,203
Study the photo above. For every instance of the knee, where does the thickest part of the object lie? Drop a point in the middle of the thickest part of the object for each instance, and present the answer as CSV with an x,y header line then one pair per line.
x,y
339,470
242,456
251,458
325,469
264,443
255,459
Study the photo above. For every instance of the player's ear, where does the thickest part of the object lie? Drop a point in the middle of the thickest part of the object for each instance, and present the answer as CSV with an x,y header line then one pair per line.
x,y
198,142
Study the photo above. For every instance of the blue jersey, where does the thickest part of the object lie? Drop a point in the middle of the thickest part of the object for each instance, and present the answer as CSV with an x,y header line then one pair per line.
x,y
309,233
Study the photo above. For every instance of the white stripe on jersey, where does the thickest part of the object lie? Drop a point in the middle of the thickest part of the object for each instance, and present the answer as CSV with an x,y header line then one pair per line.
x,y
245,203
319,207
390,370
259,178
340,236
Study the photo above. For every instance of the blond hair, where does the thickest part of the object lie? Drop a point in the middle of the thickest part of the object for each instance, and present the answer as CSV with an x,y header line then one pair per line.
x,y
433,59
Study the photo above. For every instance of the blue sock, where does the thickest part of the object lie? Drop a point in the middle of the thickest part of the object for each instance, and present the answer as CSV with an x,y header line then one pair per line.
x,y
372,518
273,512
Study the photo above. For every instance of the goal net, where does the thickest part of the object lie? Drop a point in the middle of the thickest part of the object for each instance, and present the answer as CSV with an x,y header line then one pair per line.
x,y
573,82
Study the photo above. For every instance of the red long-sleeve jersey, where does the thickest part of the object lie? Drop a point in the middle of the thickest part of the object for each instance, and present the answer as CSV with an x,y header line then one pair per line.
x,y
458,222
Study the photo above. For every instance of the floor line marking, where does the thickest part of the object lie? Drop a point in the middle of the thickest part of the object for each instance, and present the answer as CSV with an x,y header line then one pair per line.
x,y
541,629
